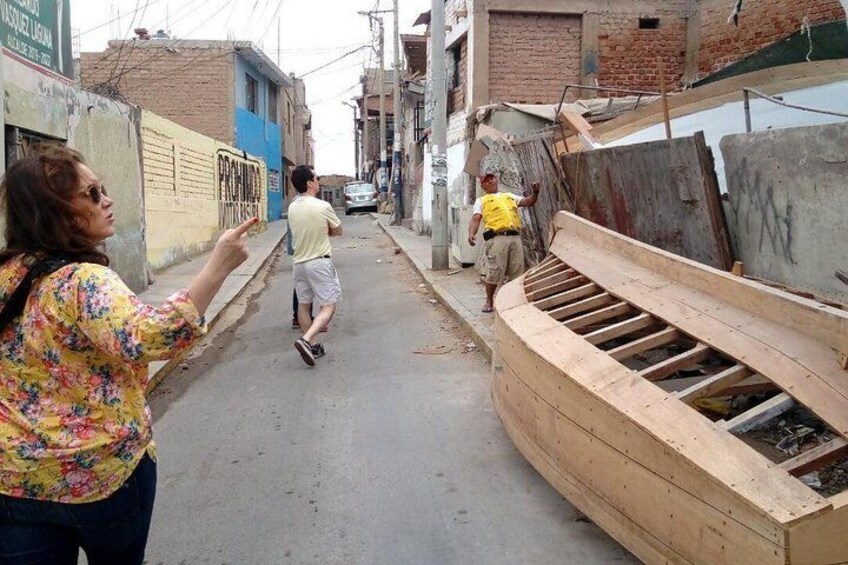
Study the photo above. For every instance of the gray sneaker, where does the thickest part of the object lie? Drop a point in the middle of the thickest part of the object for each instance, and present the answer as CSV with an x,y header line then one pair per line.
x,y
305,349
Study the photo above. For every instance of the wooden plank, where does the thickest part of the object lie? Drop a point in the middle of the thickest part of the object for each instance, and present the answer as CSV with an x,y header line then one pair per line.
x,y
759,414
551,280
568,284
584,383
822,539
581,306
816,458
545,270
566,296
709,387
612,457
670,366
640,322
795,355
598,316
658,339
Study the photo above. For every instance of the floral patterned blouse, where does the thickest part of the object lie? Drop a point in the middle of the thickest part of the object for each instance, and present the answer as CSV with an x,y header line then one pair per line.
x,y
74,422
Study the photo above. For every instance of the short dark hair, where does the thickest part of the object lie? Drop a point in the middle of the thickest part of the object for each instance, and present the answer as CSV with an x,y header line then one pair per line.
x,y
37,197
300,176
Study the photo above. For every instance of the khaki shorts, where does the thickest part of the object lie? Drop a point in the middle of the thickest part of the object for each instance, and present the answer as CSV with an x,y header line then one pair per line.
x,y
504,259
316,281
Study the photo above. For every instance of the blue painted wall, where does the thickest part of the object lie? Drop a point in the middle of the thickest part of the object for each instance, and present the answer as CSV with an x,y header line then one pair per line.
x,y
258,135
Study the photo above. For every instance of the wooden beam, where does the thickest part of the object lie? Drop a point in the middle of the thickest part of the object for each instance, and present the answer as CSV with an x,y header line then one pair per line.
x,y
662,337
566,296
597,316
760,414
716,383
816,458
640,322
551,280
545,269
591,303
670,366
568,284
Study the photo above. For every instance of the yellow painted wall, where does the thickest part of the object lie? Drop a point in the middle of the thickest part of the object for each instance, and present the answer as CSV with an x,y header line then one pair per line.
x,y
181,190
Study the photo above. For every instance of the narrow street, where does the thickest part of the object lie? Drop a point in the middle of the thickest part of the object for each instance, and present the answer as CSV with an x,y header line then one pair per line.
x,y
389,451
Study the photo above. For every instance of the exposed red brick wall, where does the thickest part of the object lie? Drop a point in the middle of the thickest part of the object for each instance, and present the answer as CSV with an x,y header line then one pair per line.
x,y
192,87
628,55
459,93
761,23
531,56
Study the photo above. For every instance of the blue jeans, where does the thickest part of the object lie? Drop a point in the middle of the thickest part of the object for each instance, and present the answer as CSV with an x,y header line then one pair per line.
x,y
111,531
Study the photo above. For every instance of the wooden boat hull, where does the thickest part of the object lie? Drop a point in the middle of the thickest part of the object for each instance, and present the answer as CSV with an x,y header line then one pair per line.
x,y
667,483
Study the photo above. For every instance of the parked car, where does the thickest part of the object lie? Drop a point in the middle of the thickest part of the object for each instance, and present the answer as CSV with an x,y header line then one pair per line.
x,y
360,196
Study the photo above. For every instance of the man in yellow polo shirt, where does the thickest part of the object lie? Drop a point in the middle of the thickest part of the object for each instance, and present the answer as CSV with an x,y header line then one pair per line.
x,y
312,223
502,233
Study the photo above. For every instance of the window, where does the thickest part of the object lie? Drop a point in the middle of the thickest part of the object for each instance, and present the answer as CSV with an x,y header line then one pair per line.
x,y
649,23
252,93
454,71
272,102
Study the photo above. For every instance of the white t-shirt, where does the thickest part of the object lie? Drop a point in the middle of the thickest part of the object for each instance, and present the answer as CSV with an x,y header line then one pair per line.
x,y
478,205
310,220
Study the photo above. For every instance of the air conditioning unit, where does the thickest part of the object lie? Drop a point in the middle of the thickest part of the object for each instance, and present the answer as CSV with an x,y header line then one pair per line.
x,y
462,251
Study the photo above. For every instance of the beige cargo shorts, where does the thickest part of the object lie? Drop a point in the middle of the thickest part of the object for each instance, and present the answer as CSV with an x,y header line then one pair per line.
x,y
504,259
316,282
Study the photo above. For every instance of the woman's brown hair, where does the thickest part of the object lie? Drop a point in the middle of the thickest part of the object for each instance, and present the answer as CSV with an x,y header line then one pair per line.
x,y
37,194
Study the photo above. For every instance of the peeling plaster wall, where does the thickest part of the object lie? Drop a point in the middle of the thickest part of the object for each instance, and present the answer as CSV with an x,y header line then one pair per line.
x,y
106,133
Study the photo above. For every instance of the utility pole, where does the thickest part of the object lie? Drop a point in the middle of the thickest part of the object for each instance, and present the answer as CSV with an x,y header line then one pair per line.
x,y
384,183
355,137
441,244
397,179
366,129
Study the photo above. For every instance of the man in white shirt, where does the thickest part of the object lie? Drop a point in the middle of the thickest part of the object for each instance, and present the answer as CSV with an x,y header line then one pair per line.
x,y
313,222
504,252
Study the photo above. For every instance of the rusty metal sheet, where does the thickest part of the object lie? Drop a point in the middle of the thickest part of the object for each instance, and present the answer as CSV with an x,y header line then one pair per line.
x,y
663,193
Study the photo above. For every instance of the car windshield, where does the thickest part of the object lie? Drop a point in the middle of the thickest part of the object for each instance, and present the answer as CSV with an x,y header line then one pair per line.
x,y
359,189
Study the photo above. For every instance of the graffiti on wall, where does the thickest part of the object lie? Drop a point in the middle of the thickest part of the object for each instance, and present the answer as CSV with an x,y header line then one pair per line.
x,y
240,188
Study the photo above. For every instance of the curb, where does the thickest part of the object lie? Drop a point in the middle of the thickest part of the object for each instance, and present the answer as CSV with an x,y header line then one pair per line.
x,y
454,306
162,373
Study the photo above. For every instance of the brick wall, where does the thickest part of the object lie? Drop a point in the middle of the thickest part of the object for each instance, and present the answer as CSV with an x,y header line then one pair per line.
x,y
193,87
761,23
531,56
628,55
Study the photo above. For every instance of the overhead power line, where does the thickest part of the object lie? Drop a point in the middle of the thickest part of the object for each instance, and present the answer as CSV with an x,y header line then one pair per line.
x,y
118,18
334,61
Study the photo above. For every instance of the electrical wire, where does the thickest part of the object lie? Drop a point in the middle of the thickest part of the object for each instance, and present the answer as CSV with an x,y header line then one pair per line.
x,y
334,61
113,20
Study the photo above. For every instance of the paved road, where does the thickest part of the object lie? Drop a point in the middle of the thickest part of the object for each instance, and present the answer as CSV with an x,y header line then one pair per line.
x,y
378,455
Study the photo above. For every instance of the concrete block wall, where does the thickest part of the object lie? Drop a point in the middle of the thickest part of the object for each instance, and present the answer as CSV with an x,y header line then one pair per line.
x,y
531,56
761,23
183,200
203,103
628,55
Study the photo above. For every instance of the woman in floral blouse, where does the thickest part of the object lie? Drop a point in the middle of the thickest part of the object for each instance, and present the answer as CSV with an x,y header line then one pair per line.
x,y
77,460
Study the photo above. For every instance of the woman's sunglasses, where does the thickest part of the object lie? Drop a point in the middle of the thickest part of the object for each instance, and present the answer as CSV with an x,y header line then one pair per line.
x,y
96,193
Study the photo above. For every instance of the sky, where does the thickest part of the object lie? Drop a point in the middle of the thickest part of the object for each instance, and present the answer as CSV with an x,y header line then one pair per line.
x,y
312,33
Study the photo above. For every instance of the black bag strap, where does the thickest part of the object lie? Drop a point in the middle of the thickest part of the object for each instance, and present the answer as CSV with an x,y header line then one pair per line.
x,y
16,303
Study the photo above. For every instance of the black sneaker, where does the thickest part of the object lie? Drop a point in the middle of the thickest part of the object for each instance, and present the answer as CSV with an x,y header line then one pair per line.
x,y
295,325
318,351
305,349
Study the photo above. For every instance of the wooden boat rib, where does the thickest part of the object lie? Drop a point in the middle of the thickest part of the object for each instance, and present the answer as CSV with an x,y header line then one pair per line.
x,y
613,426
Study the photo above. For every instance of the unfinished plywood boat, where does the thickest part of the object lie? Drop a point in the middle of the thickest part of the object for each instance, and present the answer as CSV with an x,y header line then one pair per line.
x,y
614,362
